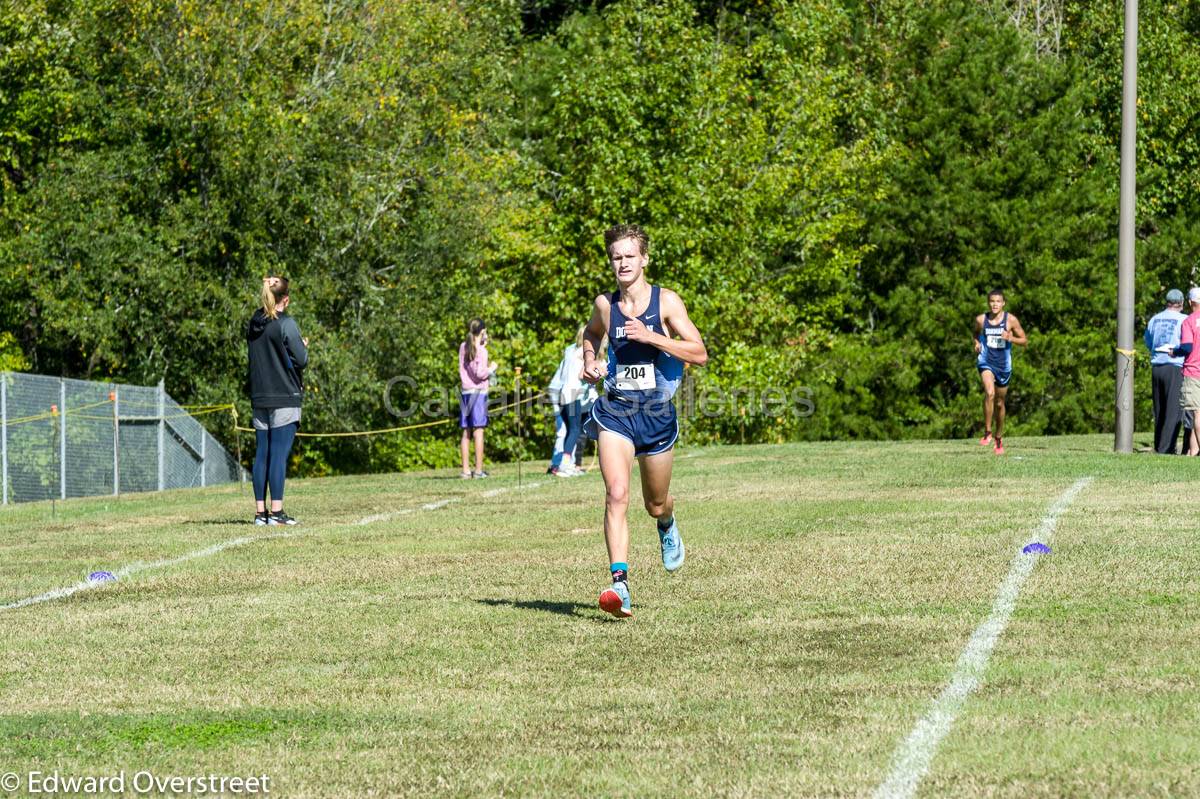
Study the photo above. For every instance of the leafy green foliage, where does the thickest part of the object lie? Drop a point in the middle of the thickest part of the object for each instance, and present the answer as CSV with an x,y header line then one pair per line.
x,y
12,359
724,139
232,141
996,183
831,187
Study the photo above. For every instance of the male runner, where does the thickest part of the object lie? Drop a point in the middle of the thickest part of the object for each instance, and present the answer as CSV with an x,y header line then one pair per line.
x,y
995,333
650,337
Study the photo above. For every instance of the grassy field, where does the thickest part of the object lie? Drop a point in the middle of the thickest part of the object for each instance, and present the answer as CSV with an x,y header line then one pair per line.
x,y
455,649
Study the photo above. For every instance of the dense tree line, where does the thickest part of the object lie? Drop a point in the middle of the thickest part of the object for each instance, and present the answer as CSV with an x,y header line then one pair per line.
x,y
832,185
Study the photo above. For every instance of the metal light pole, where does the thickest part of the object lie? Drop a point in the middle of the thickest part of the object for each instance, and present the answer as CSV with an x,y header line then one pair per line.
x,y
1124,436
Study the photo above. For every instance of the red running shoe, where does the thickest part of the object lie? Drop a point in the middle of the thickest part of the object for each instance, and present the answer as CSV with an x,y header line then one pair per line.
x,y
986,441
615,600
999,450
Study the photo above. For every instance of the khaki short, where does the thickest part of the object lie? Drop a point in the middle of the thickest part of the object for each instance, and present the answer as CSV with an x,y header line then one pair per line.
x,y
1189,395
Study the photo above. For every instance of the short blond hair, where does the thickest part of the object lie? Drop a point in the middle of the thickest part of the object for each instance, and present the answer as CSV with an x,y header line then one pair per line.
x,y
619,232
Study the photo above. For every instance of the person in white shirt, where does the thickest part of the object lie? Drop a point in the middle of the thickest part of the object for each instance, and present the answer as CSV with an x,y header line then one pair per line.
x,y
569,394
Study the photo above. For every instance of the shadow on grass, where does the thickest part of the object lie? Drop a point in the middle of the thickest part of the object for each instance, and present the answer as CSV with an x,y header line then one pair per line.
x,y
561,608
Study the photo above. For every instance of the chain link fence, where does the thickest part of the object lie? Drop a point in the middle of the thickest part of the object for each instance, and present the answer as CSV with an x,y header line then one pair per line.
x,y
63,438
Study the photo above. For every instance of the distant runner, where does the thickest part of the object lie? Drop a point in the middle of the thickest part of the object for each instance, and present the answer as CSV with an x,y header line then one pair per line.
x,y
995,334
650,338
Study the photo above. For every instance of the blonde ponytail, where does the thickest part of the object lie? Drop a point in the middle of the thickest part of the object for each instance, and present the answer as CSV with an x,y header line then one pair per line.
x,y
274,289
268,299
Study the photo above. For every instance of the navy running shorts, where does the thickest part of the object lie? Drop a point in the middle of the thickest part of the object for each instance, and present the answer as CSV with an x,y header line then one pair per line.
x,y
652,428
1002,378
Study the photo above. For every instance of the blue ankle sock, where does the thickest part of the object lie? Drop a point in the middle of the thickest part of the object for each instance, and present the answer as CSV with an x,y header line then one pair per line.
x,y
620,572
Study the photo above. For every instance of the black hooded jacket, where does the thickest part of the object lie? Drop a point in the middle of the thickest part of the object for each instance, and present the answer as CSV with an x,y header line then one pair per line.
x,y
277,360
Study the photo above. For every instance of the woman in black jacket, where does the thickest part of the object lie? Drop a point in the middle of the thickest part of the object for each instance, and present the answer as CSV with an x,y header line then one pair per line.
x,y
278,355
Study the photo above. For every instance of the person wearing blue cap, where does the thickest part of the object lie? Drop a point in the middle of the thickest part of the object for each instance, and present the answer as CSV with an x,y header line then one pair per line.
x,y
1166,372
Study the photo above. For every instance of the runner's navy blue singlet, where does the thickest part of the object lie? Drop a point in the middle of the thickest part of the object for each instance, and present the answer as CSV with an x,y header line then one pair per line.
x,y
995,354
641,381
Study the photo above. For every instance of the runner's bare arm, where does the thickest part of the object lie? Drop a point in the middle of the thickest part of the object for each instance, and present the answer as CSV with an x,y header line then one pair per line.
x,y
689,347
597,329
1015,333
978,330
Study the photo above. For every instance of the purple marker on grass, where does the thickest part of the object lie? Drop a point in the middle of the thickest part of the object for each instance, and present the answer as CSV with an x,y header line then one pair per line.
x,y
1036,548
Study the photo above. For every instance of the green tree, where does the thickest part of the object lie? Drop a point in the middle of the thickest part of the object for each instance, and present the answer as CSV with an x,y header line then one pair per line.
x,y
339,143
997,182
728,139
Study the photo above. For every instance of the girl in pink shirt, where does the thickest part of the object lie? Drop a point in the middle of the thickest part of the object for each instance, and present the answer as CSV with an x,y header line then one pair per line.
x,y
1189,392
474,372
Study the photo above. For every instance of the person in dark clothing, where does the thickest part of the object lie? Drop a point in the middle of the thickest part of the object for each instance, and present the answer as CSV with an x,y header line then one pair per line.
x,y
278,355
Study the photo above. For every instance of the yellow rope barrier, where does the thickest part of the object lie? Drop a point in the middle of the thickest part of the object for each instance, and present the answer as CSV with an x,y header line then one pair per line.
x,y
53,413
201,410
212,405
358,433
351,434
35,418
156,418
77,413
213,409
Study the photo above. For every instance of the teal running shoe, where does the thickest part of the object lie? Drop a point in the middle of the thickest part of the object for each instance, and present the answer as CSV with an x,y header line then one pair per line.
x,y
672,547
615,600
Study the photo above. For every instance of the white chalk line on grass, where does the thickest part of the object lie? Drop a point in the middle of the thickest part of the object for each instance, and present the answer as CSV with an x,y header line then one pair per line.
x,y
140,566
912,758
383,517
495,492
395,514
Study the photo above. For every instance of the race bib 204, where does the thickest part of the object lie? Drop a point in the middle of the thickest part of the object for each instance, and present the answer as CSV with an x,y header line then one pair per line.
x,y
635,376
